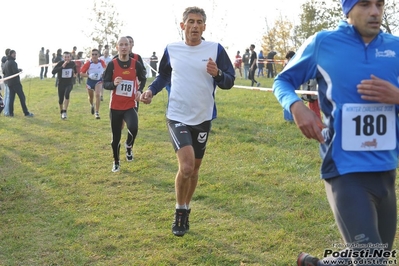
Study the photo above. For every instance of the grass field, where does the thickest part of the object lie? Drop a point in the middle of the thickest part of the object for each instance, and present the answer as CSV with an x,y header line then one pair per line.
x,y
259,201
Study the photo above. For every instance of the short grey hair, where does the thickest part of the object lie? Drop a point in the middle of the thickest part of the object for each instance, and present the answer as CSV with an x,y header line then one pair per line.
x,y
193,10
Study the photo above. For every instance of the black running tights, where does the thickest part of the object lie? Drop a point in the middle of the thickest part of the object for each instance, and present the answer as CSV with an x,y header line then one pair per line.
x,y
117,117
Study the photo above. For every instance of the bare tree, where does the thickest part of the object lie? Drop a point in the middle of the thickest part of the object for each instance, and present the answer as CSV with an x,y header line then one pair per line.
x,y
316,15
279,37
106,24
269,39
390,20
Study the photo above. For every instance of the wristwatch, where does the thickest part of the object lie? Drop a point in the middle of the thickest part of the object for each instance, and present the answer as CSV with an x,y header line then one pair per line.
x,y
219,74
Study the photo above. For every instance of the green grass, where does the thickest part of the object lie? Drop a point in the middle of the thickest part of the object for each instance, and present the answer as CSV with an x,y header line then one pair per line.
x,y
259,201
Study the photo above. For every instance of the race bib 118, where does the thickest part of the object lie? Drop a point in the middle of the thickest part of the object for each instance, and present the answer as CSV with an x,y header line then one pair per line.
x,y
126,88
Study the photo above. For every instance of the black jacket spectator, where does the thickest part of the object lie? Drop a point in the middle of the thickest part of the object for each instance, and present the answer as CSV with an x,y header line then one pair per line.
x,y
10,68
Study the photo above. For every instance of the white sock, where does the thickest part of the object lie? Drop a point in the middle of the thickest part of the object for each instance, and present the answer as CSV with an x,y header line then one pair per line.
x,y
181,206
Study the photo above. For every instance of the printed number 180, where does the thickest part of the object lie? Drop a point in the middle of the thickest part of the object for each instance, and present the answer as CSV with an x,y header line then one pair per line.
x,y
371,125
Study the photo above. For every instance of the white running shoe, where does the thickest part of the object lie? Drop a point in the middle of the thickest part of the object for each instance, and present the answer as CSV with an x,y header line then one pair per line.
x,y
115,167
64,116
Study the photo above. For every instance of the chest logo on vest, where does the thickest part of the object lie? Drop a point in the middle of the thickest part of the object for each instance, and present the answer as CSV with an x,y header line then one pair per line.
x,y
386,53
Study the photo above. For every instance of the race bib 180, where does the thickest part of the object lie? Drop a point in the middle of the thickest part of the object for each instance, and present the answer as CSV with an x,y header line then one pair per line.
x,y
367,127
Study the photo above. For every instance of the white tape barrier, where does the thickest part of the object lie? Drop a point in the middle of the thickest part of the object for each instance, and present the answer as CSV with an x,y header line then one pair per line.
x,y
19,73
53,64
271,90
10,77
145,60
253,88
235,86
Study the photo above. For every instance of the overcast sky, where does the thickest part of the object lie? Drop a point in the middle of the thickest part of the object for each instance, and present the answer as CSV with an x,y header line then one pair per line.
x,y
43,23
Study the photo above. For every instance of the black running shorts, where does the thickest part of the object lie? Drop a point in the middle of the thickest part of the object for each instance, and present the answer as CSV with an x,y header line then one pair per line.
x,y
183,135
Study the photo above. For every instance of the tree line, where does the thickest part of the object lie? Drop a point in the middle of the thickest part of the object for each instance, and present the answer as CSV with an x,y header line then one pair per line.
x,y
283,36
316,15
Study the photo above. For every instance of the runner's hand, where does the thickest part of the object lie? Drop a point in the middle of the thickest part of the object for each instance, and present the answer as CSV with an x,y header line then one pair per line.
x,y
378,90
146,97
307,121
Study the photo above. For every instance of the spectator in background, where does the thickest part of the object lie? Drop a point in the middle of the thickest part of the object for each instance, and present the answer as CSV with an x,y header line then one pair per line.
x,y
261,63
245,59
53,61
238,63
1,96
6,88
14,84
47,62
270,64
57,59
73,53
42,61
100,50
154,64
252,62
4,58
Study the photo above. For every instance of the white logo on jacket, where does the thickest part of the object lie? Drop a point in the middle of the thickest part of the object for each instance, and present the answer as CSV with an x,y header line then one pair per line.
x,y
386,53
